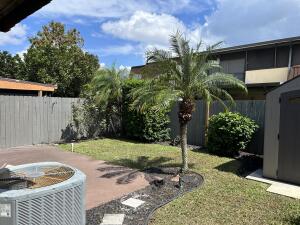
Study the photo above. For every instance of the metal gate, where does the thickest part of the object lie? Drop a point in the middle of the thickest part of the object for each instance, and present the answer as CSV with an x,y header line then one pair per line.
x,y
289,137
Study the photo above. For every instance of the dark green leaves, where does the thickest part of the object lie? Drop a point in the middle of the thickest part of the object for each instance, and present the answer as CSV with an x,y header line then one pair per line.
x,y
148,125
56,56
229,133
11,66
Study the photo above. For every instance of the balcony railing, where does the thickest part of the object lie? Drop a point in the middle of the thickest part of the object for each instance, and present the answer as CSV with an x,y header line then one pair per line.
x,y
273,75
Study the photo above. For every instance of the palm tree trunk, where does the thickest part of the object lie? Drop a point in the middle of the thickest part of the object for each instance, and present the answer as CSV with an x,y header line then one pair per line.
x,y
183,143
186,108
107,119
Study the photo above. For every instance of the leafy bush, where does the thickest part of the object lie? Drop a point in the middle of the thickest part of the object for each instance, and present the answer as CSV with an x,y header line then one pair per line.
x,y
228,133
150,126
92,120
88,119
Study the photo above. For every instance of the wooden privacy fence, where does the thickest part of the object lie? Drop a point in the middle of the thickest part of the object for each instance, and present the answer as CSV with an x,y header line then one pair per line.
x,y
255,109
27,120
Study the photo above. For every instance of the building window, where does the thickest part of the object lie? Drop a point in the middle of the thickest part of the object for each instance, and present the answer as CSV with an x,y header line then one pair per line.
x,y
296,55
282,56
261,59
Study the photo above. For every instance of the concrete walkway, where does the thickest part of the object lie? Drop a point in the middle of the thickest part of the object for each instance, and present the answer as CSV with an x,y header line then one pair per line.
x,y
100,189
276,187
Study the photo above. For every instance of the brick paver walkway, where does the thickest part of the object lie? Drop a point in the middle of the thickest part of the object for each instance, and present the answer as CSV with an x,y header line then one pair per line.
x,y
99,189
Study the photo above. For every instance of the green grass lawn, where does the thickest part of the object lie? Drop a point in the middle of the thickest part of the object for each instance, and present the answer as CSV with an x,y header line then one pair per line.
x,y
225,197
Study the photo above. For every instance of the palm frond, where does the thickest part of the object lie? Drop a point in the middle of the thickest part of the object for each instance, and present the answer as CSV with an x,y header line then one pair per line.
x,y
107,85
211,48
158,55
179,45
221,101
153,95
191,75
227,81
221,94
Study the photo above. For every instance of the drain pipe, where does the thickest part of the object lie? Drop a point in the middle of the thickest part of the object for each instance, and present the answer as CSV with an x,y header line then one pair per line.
x,y
290,75
290,56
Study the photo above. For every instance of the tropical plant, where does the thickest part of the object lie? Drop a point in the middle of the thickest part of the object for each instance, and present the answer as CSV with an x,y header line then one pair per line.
x,y
88,119
184,74
106,91
149,125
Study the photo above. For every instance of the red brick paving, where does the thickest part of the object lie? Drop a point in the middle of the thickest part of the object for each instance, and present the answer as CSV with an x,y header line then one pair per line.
x,y
99,190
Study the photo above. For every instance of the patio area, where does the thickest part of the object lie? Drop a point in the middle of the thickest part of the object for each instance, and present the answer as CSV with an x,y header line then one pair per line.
x,y
101,188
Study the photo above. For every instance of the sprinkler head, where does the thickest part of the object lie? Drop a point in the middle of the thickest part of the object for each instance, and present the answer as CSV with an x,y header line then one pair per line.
x,y
180,182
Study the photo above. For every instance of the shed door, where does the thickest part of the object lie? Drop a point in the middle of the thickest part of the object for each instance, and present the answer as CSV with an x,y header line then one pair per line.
x,y
289,137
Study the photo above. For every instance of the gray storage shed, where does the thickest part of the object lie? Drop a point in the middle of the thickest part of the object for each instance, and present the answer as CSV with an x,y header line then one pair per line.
x,y
282,133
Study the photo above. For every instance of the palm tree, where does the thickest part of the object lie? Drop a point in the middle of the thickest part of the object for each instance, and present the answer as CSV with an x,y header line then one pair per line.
x,y
106,88
183,74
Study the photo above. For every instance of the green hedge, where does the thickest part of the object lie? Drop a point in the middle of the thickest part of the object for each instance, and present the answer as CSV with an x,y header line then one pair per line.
x,y
228,133
150,126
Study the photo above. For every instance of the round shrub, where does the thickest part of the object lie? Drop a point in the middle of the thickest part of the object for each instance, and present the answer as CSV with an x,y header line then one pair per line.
x,y
228,133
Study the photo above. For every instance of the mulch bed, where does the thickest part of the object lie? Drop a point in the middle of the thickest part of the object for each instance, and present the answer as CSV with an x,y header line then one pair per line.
x,y
162,189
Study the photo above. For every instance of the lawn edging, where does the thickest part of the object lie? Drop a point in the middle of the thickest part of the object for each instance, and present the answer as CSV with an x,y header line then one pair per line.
x,y
172,199
163,189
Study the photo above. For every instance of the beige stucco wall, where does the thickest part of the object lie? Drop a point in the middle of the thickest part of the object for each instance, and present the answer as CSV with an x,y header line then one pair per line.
x,y
272,125
267,75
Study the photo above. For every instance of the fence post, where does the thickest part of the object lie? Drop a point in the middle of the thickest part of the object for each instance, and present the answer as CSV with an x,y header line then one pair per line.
x,y
206,120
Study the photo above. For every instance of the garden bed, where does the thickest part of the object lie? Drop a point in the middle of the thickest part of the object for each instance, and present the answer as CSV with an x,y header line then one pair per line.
x,y
163,188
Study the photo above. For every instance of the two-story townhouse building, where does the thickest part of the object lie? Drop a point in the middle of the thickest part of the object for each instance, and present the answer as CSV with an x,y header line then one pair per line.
x,y
262,66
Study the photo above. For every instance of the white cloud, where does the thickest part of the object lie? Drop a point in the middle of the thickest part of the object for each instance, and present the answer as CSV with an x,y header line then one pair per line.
x,y
97,35
119,8
121,67
80,21
15,36
21,53
232,21
150,30
144,27
238,22
125,69
148,23
120,50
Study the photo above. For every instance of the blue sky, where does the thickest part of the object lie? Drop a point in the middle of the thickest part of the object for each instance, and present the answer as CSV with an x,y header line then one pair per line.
x,y
121,31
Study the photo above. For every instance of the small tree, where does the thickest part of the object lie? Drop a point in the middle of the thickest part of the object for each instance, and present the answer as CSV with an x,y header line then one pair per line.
x,y
185,74
106,90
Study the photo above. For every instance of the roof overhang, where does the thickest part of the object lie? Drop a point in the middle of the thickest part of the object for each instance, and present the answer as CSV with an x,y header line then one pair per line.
x,y
11,84
259,45
13,11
